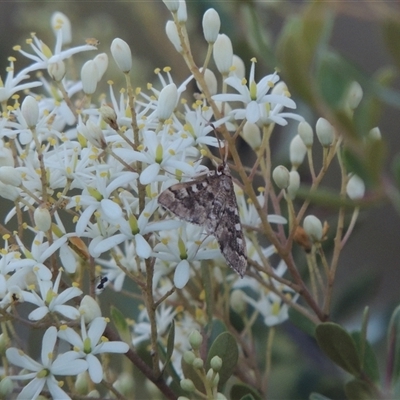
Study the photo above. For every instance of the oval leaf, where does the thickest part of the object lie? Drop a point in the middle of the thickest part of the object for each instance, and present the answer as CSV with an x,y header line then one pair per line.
x,y
239,391
339,346
359,390
225,347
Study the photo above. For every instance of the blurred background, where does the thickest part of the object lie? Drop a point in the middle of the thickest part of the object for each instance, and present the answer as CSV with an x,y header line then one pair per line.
x,y
369,270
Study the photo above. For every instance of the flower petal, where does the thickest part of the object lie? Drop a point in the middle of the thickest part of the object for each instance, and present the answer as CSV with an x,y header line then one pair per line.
x,y
182,274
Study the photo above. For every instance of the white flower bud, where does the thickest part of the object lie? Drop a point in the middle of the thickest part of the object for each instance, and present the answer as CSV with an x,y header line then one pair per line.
x,y
30,111
239,68
172,34
375,133
101,61
211,81
306,133
252,135
56,70
325,132
108,115
89,77
354,95
6,156
122,55
281,89
355,187
198,363
10,176
94,134
189,357
211,25
216,363
182,12
8,192
223,54
167,101
297,151
81,383
89,309
42,219
61,21
172,5
281,176
313,227
294,184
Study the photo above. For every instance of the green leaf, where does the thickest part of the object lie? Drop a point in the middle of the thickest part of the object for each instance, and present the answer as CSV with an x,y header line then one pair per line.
x,y
368,358
119,320
225,347
318,396
170,344
339,346
359,390
393,366
240,391
303,323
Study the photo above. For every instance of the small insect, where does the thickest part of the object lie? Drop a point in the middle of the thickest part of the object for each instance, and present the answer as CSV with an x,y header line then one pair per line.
x,y
92,41
210,201
101,285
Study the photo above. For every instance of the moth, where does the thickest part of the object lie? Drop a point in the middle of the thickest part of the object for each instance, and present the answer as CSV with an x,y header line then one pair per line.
x,y
210,201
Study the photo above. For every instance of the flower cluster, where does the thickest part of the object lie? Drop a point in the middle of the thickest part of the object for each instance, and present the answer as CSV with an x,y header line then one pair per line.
x,y
83,180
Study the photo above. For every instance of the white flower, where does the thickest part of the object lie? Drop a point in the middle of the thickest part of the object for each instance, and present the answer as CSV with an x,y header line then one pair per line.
x,y
12,84
50,301
45,57
257,99
90,343
43,373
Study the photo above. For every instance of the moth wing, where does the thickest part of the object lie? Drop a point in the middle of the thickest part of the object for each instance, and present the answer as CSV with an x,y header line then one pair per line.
x,y
229,235
190,201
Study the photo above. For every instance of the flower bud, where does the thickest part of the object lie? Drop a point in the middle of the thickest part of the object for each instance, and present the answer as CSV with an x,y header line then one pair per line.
x,y
216,363
173,36
195,340
211,25
294,184
188,385
237,301
297,151
8,192
324,132
30,111
6,388
172,5
182,12
238,68
122,55
109,116
354,95
89,309
6,156
42,218
95,135
375,133
211,81
89,77
61,21
101,62
198,363
355,187
306,133
212,377
167,101
252,135
81,383
189,357
313,227
281,176
223,54
56,70
10,176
